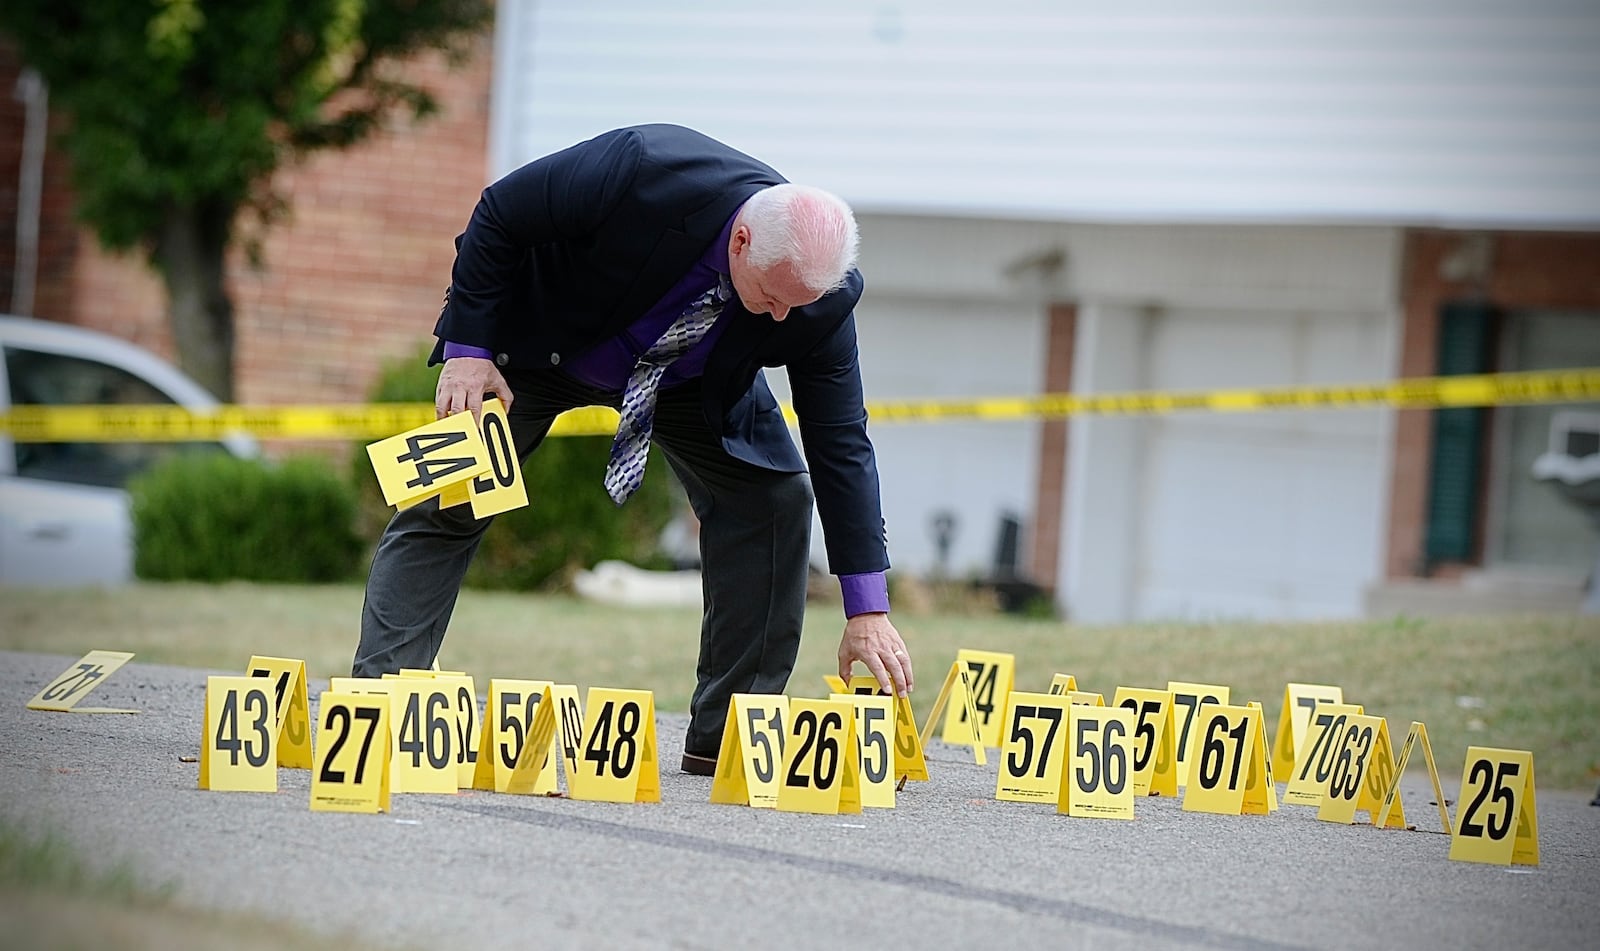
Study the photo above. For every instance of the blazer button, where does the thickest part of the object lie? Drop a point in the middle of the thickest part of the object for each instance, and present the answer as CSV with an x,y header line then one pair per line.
x,y
555,359
501,359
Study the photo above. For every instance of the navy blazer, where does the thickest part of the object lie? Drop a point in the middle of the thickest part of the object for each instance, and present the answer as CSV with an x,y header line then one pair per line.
x,y
569,250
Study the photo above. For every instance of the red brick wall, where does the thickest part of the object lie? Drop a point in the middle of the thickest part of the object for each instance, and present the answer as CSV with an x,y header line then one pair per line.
x,y
58,234
1525,270
352,277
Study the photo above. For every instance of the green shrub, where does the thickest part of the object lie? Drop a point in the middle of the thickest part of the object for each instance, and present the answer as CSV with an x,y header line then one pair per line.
x,y
215,517
569,522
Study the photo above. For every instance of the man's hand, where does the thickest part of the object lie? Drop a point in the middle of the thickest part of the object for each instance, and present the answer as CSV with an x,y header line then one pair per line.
x,y
872,640
463,383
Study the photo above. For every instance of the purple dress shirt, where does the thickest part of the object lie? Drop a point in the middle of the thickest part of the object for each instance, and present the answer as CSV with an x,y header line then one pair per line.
x,y
607,367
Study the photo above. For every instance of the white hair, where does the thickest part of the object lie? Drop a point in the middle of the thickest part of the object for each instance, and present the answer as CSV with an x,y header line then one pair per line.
x,y
812,229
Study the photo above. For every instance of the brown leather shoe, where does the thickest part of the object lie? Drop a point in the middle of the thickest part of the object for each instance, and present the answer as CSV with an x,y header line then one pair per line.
x,y
697,765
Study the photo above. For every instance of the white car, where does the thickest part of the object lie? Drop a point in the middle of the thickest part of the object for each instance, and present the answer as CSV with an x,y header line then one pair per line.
x,y
64,516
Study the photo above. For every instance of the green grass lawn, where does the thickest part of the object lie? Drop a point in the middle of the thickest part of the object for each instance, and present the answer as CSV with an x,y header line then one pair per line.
x,y
1522,682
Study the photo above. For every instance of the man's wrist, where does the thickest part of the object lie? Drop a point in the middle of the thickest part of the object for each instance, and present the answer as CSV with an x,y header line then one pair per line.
x,y
453,349
865,593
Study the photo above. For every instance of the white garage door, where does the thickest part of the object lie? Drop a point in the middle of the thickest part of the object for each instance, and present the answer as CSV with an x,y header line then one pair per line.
x,y
914,348
1273,515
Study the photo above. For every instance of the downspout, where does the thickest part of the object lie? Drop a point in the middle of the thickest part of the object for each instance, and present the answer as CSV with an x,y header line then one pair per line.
x,y
32,91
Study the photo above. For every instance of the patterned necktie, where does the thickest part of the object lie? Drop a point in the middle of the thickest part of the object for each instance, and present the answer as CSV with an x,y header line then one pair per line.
x,y
631,448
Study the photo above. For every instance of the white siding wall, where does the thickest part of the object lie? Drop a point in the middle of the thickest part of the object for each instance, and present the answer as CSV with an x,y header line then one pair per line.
x,y
926,348
1457,112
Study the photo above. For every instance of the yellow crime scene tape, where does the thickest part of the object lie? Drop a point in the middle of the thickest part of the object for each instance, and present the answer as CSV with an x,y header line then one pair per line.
x,y
375,421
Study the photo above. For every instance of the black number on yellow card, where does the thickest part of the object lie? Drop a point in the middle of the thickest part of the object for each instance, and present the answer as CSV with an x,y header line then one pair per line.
x,y
1106,760
509,752
72,683
571,728
1215,752
1480,774
765,765
1191,704
983,687
502,458
877,770
278,688
432,740
816,745
1345,780
430,471
1144,731
466,719
339,718
1018,766
905,734
625,751
229,740
295,730
1320,756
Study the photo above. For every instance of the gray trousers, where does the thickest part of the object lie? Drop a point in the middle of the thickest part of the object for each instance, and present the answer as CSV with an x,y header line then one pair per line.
x,y
755,543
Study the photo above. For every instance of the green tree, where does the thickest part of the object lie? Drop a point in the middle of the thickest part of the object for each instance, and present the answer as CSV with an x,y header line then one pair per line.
x,y
179,112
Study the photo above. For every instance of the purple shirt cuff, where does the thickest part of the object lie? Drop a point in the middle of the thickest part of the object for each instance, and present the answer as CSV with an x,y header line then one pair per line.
x,y
453,349
866,593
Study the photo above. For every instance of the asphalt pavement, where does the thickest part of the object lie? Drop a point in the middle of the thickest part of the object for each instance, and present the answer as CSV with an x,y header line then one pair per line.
x,y
948,867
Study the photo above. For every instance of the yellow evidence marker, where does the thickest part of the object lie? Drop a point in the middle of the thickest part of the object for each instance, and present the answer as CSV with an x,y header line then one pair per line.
x,y
618,762
875,716
236,745
957,681
1186,700
1260,791
752,750
507,722
1031,757
425,460
555,720
1085,698
1225,737
992,675
1365,754
1062,683
292,734
1496,798
1298,702
350,772
423,751
1096,781
821,759
1391,796
464,714
62,694
501,488
1314,762
1155,762
909,762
